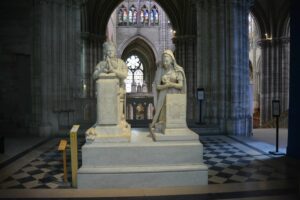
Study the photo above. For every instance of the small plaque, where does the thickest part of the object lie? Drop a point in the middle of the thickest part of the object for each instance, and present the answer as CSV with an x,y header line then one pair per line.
x,y
62,145
200,94
276,108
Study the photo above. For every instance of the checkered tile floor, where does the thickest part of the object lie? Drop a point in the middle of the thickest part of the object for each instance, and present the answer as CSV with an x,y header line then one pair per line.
x,y
227,164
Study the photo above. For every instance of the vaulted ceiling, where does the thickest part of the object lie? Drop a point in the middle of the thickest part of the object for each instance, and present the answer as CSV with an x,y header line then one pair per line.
x,y
272,16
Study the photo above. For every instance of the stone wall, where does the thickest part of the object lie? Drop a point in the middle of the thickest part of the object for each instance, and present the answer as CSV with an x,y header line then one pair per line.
x,y
15,62
56,65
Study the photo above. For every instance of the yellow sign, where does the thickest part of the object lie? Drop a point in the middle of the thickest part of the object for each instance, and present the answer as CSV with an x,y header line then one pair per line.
x,y
74,154
62,145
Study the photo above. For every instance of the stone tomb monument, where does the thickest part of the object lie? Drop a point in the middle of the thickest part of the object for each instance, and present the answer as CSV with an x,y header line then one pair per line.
x,y
113,157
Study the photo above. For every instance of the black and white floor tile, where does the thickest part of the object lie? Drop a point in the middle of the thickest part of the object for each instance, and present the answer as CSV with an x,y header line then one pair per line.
x,y
226,162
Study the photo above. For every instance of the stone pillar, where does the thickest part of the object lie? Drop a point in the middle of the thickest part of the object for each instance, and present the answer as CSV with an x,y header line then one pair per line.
x,y
56,64
222,64
91,55
237,100
211,57
184,53
274,76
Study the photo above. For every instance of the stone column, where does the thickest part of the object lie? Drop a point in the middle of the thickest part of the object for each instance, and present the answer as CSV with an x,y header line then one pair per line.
x,y
184,52
222,64
274,76
56,64
91,55
211,57
237,100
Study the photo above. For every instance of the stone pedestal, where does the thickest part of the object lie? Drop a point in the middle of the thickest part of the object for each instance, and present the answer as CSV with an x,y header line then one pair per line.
x,y
175,127
111,125
142,163
107,100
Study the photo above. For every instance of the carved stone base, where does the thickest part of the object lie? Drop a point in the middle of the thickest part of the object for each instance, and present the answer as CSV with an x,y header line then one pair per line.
x,y
174,128
100,134
142,163
112,134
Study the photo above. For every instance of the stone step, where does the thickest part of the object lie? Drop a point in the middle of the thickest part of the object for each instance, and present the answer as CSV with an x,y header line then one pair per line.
x,y
151,153
154,176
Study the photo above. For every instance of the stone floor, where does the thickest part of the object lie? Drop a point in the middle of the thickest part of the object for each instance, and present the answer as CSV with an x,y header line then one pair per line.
x,y
237,170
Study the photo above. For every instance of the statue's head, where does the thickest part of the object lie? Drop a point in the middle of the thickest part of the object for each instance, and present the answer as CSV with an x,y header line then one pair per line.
x,y
168,58
109,49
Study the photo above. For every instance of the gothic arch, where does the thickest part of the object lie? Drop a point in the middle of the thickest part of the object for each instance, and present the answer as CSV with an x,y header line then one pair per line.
x,y
285,30
145,52
257,25
260,18
124,45
283,21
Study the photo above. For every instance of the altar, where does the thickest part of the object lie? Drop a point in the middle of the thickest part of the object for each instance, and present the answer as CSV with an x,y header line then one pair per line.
x,y
139,109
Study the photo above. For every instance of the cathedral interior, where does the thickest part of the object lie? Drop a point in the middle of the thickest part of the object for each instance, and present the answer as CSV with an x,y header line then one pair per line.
x,y
239,53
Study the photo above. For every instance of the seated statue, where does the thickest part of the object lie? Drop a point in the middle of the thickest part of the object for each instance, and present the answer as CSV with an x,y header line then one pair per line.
x,y
169,79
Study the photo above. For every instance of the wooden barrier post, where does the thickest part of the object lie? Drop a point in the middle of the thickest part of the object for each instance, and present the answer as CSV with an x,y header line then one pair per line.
x,y
74,154
62,147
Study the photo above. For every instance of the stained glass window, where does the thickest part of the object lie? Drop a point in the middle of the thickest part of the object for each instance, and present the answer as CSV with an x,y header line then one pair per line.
x,y
132,15
135,72
122,15
156,19
144,16
154,16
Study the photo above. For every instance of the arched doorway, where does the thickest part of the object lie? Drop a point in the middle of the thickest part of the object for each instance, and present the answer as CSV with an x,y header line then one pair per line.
x,y
141,63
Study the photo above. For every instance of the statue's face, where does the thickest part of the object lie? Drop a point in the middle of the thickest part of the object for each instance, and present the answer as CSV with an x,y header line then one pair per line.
x,y
110,51
167,61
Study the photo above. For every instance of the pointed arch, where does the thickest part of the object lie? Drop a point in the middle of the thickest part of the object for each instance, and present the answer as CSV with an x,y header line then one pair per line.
x,y
138,38
139,47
